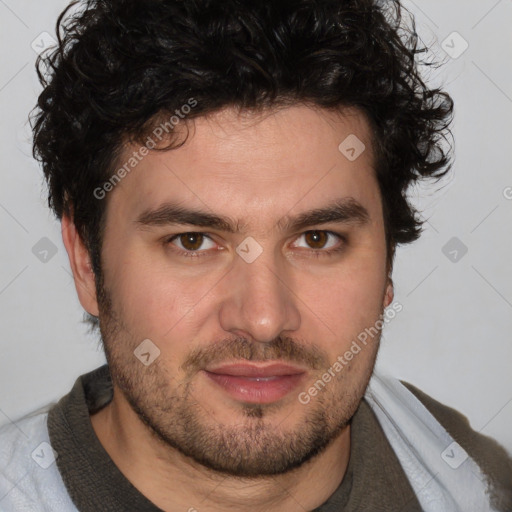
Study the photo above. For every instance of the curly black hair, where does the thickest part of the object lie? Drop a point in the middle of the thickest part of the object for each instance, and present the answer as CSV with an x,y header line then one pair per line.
x,y
121,66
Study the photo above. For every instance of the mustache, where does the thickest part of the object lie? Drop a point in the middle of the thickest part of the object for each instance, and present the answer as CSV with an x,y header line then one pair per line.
x,y
282,348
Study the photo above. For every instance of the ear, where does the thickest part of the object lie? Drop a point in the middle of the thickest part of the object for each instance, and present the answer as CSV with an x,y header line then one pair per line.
x,y
390,293
81,266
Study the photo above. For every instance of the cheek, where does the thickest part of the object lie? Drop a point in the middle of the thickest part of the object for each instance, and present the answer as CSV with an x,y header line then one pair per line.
x,y
348,298
152,301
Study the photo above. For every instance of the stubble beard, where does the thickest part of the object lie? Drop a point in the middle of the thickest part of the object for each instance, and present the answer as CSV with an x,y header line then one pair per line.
x,y
256,446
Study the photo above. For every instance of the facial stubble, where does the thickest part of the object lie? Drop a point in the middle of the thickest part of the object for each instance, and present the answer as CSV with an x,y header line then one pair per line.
x,y
256,445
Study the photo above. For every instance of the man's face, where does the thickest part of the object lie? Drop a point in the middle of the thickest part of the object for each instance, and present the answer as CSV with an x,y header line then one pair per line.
x,y
259,288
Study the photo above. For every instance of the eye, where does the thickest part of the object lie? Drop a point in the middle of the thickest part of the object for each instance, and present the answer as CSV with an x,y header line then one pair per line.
x,y
192,241
319,239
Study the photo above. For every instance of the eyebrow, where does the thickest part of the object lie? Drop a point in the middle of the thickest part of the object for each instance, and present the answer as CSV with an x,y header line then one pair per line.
x,y
346,210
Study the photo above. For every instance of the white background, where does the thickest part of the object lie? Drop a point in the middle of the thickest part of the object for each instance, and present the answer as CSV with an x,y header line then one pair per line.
x,y
452,338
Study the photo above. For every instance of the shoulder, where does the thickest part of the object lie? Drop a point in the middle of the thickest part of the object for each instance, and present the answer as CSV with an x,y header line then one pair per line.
x,y
492,458
18,441
29,478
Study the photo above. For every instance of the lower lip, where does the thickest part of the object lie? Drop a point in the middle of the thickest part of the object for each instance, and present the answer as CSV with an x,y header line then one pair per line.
x,y
261,391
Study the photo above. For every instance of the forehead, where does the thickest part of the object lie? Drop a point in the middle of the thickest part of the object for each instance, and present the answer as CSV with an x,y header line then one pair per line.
x,y
265,164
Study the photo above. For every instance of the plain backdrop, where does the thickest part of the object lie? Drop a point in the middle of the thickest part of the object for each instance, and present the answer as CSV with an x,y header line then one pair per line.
x,y
453,337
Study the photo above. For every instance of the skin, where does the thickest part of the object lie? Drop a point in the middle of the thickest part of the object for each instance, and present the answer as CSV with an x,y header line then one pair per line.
x,y
175,434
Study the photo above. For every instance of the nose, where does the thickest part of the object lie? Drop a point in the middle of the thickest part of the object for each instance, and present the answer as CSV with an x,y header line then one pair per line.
x,y
259,302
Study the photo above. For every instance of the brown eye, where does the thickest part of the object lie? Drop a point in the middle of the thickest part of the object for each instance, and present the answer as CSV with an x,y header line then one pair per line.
x,y
316,239
192,244
191,241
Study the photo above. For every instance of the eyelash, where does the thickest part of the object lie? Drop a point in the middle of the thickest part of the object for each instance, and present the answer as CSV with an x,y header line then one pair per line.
x,y
181,252
317,253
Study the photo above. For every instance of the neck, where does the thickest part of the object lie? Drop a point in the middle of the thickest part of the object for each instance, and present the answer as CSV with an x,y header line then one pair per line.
x,y
173,481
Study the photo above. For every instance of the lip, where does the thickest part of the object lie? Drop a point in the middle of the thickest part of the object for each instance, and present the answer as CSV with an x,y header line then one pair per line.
x,y
256,384
252,370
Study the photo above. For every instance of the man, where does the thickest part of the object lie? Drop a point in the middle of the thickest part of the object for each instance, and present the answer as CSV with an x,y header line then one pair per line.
x,y
231,181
